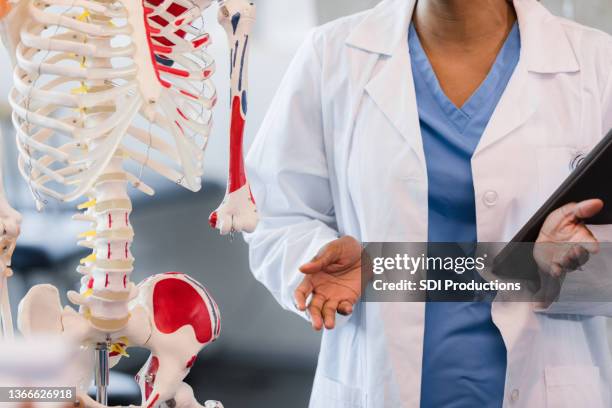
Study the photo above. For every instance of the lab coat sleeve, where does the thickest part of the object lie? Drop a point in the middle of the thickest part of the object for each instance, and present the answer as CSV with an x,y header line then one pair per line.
x,y
288,172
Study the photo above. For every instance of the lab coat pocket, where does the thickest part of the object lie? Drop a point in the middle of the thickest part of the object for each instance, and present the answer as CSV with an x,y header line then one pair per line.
x,y
328,393
554,165
573,386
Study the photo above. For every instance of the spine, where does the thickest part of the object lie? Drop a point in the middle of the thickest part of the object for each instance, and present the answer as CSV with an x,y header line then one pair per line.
x,y
106,288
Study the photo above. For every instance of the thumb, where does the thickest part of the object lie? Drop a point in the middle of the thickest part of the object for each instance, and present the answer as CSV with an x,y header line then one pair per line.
x,y
324,258
588,208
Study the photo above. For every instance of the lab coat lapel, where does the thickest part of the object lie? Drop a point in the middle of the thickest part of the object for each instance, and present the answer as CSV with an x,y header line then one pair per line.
x,y
392,90
545,50
518,103
385,32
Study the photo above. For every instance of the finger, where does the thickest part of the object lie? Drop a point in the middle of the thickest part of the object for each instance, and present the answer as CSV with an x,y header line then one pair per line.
x,y
327,256
586,239
588,208
329,314
574,258
301,294
345,308
556,270
314,308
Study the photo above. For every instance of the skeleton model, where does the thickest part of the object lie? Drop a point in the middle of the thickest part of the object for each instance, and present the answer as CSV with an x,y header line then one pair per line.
x,y
103,90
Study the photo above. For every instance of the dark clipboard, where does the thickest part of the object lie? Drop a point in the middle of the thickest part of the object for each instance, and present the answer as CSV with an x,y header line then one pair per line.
x,y
591,179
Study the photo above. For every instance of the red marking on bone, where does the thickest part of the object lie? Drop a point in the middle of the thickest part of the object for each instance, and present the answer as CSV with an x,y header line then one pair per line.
x,y
189,94
176,10
173,273
159,20
251,195
206,73
125,281
180,33
108,251
110,220
149,30
176,304
90,283
180,112
126,250
237,177
106,281
179,126
153,402
151,373
212,220
190,362
173,71
200,41
163,41
179,22
162,49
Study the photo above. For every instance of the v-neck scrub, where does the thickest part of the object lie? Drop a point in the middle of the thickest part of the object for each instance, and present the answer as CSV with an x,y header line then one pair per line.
x,y
464,356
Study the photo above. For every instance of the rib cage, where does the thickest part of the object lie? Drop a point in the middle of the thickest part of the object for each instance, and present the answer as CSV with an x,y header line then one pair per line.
x,y
84,92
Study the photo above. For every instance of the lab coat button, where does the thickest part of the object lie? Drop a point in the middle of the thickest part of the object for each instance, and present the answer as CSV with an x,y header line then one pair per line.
x,y
514,395
490,198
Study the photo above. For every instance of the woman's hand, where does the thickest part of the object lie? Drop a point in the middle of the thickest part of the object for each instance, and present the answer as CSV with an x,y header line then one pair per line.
x,y
565,243
333,278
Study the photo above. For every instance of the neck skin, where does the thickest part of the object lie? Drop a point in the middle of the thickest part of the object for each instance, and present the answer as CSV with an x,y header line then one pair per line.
x,y
463,24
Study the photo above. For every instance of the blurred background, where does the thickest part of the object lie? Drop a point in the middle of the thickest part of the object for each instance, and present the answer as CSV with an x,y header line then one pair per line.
x,y
266,357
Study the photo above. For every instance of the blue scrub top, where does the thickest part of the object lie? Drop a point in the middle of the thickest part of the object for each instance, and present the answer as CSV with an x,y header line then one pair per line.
x,y
464,356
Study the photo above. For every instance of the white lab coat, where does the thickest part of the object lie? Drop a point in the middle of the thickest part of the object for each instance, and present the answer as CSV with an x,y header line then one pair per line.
x,y
340,153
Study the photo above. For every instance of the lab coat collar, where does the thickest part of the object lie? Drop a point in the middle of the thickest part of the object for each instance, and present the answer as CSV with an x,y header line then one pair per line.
x,y
383,27
546,48
545,45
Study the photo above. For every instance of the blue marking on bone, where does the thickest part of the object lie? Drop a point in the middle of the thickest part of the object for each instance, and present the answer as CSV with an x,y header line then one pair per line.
x,y
235,53
246,43
244,102
235,21
231,61
164,61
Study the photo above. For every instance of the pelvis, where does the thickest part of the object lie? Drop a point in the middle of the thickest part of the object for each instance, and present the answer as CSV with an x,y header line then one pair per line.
x,y
173,316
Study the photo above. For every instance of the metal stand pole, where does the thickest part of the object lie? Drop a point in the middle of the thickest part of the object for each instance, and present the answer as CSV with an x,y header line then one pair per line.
x,y
102,373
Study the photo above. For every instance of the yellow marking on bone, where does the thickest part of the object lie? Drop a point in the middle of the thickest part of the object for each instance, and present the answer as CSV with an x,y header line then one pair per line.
x,y
87,294
87,204
120,347
88,234
83,89
84,16
88,259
